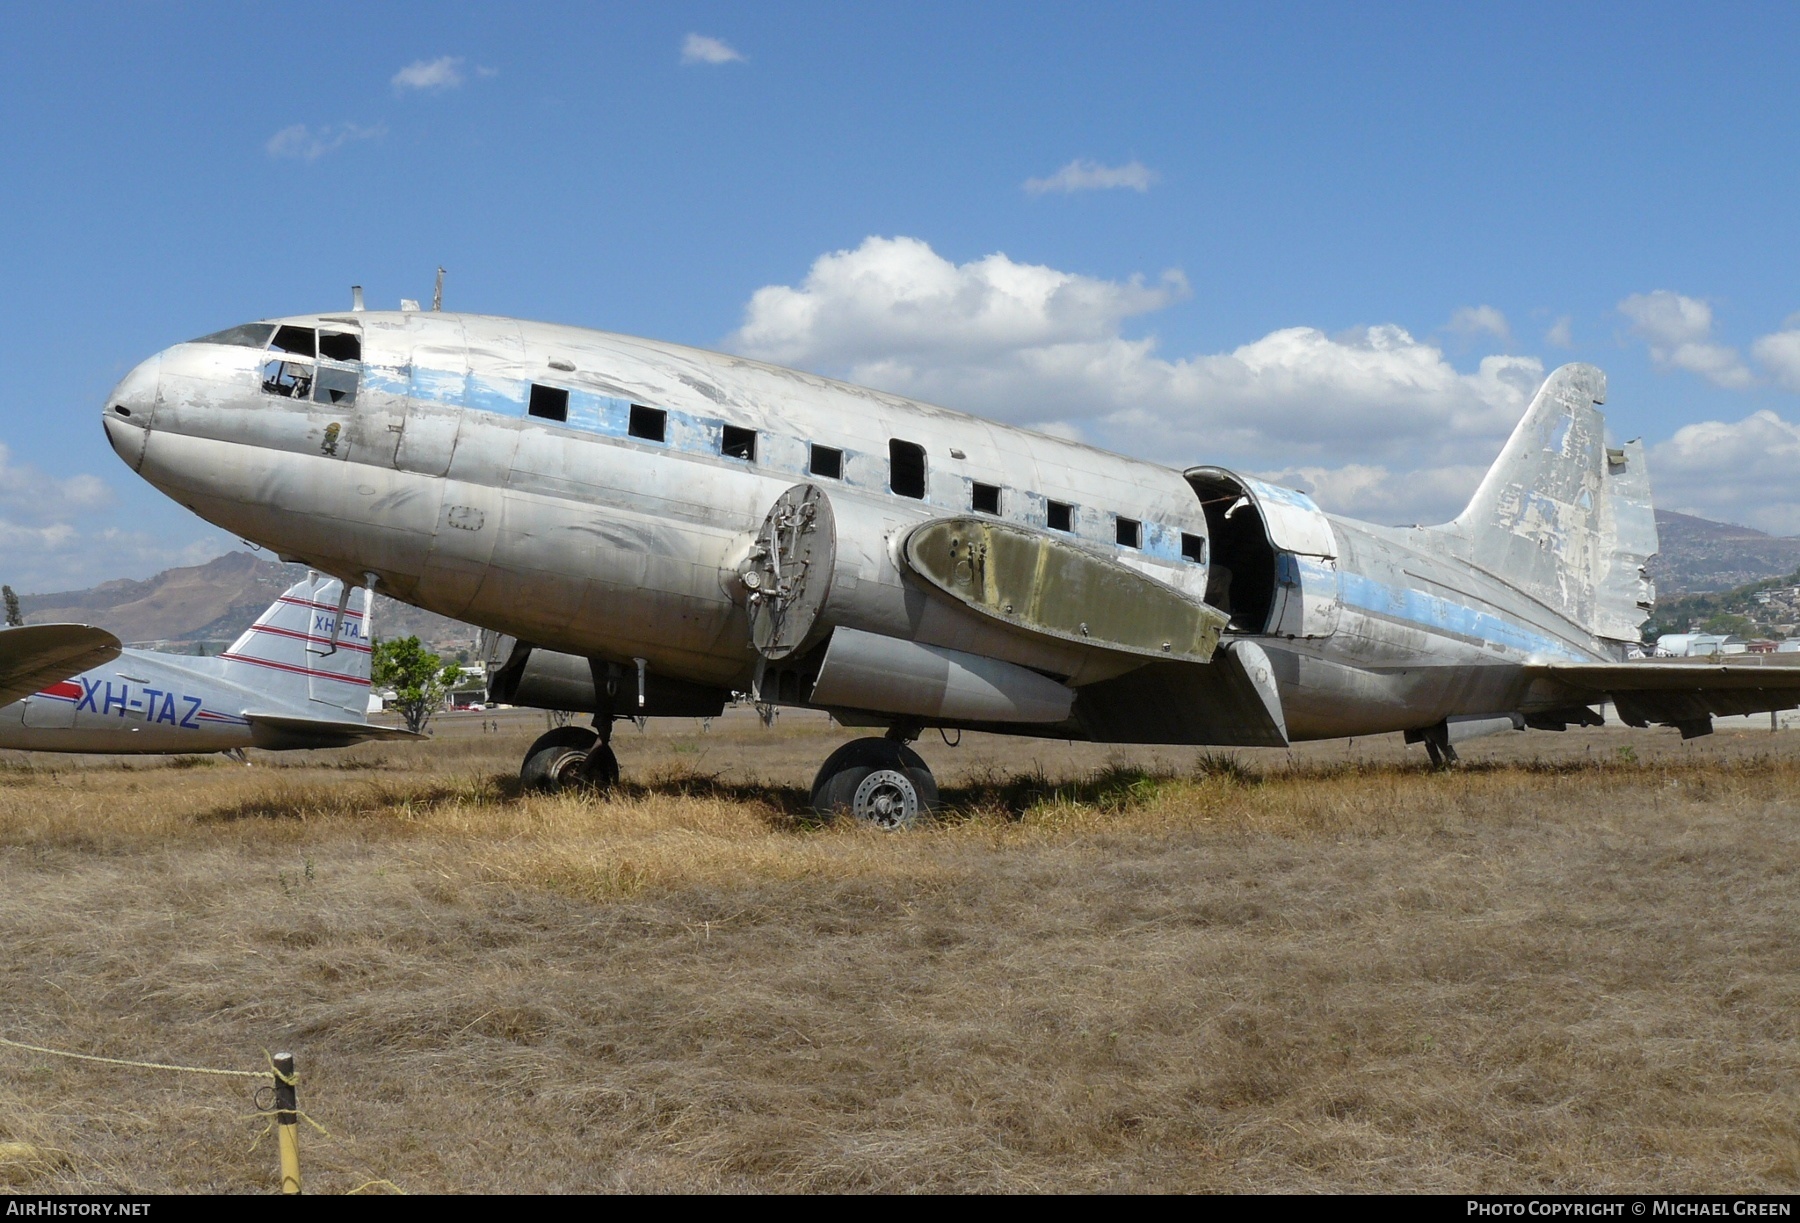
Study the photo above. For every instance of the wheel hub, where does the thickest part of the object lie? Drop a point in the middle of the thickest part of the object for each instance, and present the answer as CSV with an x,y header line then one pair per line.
x,y
886,798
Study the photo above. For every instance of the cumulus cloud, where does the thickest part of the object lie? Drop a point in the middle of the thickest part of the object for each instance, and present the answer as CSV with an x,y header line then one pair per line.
x,y
31,494
1679,332
1032,344
1561,334
430,76
1779,353
1740,471
1081,175
58,536
1472,321
309,144
699,49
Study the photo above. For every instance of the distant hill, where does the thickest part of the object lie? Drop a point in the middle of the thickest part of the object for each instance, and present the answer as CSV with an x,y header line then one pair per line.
x,y
210,604
1700,555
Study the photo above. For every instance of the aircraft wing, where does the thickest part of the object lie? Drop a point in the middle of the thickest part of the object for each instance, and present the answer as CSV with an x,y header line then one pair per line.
x,y
34,656
1682,692
286,731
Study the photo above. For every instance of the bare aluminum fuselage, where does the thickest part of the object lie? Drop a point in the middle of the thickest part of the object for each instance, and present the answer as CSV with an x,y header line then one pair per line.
x,y
582,538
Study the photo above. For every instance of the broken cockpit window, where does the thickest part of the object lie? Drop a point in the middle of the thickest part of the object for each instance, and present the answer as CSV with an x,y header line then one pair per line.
x,y
250,335
301,341
289,379
335,386
340,346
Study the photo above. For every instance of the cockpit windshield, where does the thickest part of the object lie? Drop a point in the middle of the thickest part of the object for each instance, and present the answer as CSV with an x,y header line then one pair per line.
x,y
250,335
312,364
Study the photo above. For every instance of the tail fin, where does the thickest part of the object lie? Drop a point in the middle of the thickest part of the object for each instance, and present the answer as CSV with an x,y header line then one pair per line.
x,y
292,655
1563,517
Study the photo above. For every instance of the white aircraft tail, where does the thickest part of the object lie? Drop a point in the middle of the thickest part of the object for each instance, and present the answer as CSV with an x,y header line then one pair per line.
x,y
293,657
1565,518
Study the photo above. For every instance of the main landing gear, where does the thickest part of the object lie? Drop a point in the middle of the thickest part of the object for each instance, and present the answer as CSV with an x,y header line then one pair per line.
x,y
571,756
881,782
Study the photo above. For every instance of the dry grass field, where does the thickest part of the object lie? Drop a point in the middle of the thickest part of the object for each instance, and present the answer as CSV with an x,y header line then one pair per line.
x,y
1572,964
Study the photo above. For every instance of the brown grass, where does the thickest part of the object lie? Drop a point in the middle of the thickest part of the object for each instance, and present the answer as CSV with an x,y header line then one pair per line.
x,y
1563,967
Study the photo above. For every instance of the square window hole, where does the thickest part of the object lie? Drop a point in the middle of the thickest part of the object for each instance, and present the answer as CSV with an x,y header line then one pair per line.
x,y
738,444
826,461
549,402
984,498
651,424
1193,548
1128,531
1061,516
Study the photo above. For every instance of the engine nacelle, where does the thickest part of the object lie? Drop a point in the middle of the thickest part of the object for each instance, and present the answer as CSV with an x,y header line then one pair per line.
x,y
545,679
866,671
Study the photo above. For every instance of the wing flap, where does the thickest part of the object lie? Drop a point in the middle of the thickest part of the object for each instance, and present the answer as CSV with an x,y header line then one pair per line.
x,y
1031,580
33,656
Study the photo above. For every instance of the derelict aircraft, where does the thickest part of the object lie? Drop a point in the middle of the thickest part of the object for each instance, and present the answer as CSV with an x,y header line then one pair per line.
x,y
291,680
658,527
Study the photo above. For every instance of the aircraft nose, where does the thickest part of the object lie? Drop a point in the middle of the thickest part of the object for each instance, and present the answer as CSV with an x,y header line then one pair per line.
x,y
129,410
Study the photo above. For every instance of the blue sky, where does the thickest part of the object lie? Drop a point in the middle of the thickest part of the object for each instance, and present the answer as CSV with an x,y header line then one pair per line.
x,y
1336,244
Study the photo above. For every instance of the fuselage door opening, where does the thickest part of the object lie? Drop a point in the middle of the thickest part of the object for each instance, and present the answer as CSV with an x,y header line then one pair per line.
x,y
1274,556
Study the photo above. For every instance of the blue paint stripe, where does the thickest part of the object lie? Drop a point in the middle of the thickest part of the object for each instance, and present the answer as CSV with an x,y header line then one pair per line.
x,y
609,416
1431,611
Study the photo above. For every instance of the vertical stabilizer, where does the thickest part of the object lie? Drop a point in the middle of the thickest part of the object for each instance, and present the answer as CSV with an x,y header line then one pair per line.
x,y
1563,517
292,656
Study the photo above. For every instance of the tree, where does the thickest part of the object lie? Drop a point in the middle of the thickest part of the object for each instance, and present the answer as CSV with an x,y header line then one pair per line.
x,y
14,618
419,678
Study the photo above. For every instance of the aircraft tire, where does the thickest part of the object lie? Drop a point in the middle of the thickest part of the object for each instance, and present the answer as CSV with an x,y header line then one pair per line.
x,y
555,761
601,768
876,781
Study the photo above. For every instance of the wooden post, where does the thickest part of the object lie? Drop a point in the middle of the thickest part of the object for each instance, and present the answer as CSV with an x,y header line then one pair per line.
x,y
287,1122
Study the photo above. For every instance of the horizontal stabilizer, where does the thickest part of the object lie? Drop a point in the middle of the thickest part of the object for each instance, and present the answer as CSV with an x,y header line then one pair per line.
x,y
34,656
1678,691
285,732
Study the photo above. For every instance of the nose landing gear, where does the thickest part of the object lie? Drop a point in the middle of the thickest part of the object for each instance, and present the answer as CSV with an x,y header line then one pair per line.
x,y
880,782
571,756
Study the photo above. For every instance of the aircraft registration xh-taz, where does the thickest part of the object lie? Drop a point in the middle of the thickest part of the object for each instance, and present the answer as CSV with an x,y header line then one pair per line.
x,y
298,677
658,527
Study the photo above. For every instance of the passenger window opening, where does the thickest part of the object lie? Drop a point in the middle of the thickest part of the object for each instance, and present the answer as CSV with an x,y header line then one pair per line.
x,y
1060,516
984,498
289,379
826,461
1241,579
548,402
301,341
906,469
340,346
649,424
738,443
336,386
250,335
1193,548
1129,532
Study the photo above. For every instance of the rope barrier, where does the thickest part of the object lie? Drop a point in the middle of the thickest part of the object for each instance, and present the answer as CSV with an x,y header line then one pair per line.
x,y
270,1073
282,1118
